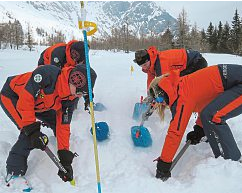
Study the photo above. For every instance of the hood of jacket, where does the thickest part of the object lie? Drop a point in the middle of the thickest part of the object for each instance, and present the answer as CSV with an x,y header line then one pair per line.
x,y
69,60
170,85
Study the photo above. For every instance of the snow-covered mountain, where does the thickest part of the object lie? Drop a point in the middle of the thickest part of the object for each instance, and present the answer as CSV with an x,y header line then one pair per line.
x,y
143,17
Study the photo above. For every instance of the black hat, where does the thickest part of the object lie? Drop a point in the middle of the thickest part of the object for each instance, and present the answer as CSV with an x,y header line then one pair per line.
x,y
78,52
141,57
78,77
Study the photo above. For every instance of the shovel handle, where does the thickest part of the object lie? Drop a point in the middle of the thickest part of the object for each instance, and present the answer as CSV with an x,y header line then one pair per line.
x,y
180,154
141,99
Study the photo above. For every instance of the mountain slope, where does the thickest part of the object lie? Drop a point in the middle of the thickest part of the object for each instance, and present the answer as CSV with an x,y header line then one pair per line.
x,y
143,17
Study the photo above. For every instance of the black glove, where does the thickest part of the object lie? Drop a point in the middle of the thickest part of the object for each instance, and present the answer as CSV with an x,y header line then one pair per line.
x,y
163,170
87,102
86,105
196,135
38,139
66,158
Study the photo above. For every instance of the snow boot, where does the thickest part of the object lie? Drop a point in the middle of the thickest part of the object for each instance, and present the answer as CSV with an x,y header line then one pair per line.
x,y
18,183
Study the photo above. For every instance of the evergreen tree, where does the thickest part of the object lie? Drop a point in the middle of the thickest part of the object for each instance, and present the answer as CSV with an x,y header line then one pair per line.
x,y
183,29
1,34
220,31
209,35
166,40
225,39
10,34
236,32
29,38
195,38
215,40
18,34
204,43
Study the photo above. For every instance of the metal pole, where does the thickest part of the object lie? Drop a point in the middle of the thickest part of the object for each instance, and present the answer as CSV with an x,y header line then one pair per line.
x,y
179,155
91,104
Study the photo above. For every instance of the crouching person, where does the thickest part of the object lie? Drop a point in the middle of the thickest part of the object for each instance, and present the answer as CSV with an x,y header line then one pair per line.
x,y
47,94
217,99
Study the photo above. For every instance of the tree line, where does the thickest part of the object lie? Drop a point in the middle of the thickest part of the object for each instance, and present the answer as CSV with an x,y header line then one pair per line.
x,y
12,35
220,38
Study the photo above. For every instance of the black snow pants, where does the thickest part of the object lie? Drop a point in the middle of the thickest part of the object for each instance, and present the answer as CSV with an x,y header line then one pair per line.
x,y
18,155
225,106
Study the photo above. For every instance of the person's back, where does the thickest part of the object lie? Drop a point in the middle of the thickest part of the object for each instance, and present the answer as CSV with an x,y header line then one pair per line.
x,y
201,87
156,63
173,59
57,50
63,55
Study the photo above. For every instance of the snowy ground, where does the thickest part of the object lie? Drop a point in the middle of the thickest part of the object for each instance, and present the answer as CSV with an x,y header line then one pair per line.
x,y
123,167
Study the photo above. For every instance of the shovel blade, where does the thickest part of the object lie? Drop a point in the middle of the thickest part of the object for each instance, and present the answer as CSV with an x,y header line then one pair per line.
x,y
139,109
141,136
99,107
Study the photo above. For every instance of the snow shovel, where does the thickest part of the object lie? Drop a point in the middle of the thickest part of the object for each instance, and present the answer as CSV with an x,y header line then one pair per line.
x,y
99,107
139,109
140,134
57,162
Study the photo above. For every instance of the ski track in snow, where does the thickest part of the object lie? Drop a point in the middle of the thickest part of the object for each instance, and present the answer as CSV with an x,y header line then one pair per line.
x,y
123,167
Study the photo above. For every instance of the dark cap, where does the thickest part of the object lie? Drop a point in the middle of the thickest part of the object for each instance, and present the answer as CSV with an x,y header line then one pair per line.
x,y
78,77
78,52
141,57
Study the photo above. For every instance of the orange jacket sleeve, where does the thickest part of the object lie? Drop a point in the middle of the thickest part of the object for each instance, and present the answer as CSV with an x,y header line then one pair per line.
x,y
181,112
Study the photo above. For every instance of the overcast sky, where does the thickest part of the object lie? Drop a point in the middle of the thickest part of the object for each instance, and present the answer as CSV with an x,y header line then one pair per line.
x,y
202,12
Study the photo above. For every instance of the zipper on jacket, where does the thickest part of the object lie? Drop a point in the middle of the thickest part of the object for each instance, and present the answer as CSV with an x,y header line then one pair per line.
x,y
179,121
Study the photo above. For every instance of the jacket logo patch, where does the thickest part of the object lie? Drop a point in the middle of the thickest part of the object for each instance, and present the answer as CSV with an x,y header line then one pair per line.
x,y
56,60
41,96
38,78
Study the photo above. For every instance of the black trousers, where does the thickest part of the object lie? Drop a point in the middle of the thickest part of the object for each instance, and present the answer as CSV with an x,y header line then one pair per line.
x,y
225,106
18,155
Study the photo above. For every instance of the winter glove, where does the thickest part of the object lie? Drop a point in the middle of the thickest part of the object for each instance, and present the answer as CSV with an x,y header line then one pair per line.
x,y
66,158
196,135
87,105
38,139
163,170
87,102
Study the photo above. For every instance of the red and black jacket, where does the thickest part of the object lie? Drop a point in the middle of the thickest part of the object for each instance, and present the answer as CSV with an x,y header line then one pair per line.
x,y
186,97
43,89
58,55
163,62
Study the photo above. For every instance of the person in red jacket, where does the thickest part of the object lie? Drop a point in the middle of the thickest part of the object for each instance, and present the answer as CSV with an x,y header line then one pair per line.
x,y
155,63
46,94
217,99
63,55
